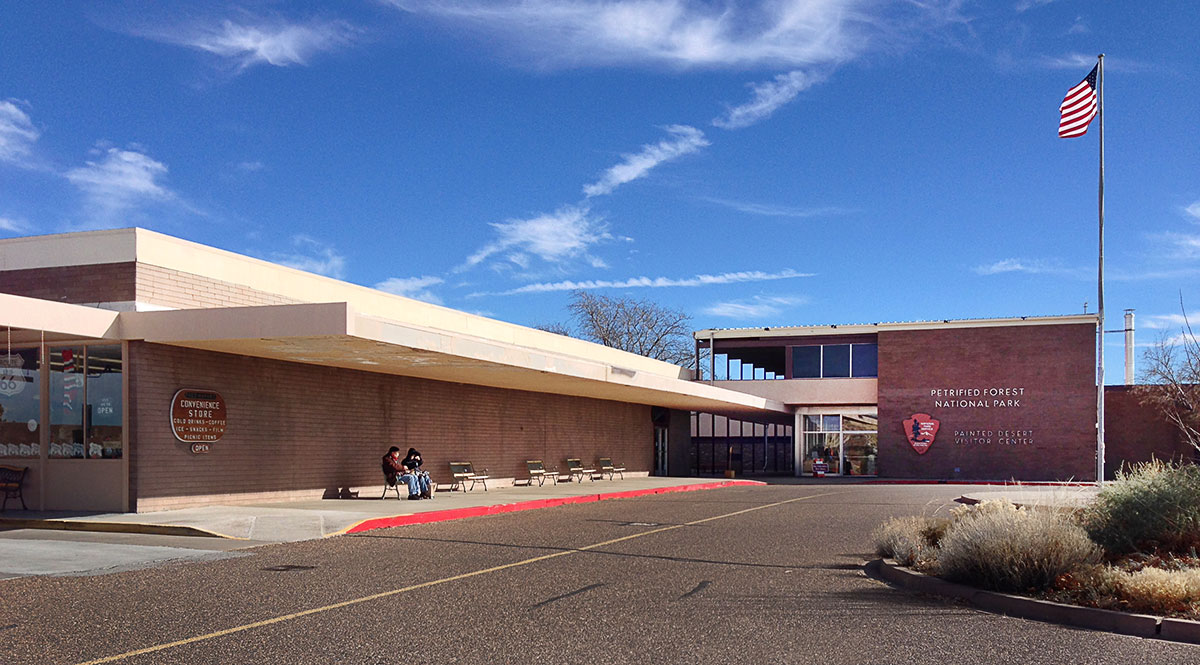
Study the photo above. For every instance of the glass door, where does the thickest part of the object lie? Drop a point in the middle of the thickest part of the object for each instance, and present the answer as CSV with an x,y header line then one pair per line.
x,y
660,451
840,445
822,445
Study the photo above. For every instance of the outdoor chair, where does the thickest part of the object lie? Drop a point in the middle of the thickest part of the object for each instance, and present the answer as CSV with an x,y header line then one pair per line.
x,y
11,480
575,469
461,472
389,486
606,467
538,472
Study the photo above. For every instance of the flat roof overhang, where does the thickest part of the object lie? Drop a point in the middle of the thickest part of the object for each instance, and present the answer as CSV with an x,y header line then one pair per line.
x,y
702,336
31,320
334,335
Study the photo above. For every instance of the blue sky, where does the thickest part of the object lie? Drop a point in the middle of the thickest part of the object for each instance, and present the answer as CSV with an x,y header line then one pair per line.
x,y
755,164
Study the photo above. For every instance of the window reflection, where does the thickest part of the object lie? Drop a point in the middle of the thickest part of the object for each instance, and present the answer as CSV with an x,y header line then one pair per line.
x,y
836,361
20,403
66,402
104,406
85,402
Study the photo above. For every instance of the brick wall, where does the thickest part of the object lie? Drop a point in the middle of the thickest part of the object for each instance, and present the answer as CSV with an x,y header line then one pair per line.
x,y
1054,364
127,282
1135,433
105,282
172,288
303,431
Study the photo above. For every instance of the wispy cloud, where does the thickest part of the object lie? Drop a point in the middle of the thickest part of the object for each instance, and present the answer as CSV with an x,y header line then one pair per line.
x,y
1193,211
17,133
119,179
1185,246
249,167
1086,61
1031,266
14,225
412,287
556,237
766,98
1168,321
685,140
1026,5
260,41
676,32
652,282
757,308
312,255
1069,61
772,210
1078,27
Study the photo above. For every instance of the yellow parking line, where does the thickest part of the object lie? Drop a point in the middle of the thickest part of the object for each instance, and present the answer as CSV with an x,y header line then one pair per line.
x,y
414,587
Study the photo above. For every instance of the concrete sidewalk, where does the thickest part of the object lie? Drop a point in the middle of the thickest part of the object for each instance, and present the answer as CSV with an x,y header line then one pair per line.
x,y
306,520
1027,495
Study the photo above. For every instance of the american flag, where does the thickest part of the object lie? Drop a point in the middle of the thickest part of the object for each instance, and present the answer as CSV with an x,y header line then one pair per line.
x,y
1078,107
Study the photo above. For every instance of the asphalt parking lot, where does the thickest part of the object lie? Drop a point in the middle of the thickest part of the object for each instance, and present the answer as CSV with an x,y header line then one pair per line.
x,y
748,574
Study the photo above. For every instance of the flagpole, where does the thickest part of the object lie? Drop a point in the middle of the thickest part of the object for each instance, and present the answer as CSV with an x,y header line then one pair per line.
x,y
1100,295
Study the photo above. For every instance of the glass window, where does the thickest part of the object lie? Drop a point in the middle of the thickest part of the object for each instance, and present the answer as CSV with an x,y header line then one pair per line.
x,y
860,423
860,451
866,360
20,403
812,423
831,423
66,402
806,362
104,406
836,362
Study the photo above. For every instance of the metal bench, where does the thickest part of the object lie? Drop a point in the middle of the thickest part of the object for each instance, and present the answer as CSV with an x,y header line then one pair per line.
x,y
539,472
606,467
461,472
575,469
11,480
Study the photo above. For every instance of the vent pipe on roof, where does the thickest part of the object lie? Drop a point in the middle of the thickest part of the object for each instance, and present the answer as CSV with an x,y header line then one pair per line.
x,y
1129,347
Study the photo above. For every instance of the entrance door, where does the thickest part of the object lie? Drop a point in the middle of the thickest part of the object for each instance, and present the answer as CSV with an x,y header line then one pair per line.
x,y
822,445
846,444
660,451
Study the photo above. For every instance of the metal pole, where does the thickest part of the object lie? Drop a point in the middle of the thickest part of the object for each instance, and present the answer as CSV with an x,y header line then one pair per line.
x,y
712,358
1100,294
1129,373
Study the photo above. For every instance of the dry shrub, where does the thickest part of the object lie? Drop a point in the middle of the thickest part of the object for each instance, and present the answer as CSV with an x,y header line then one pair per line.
x,y
1159,591
996,545
911,541
1148,591
1154,506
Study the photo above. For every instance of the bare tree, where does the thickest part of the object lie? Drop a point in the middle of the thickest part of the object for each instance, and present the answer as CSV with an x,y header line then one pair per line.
x,y
638,326
1171,368
556,328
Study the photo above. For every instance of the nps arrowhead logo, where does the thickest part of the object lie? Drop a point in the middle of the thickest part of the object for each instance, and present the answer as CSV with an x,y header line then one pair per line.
x,y
921,429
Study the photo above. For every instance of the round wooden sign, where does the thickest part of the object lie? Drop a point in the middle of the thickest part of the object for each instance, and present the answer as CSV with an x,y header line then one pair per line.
x,y
197,416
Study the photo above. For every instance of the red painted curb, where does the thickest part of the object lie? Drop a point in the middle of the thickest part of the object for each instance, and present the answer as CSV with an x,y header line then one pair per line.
x,y
1005,483
476,511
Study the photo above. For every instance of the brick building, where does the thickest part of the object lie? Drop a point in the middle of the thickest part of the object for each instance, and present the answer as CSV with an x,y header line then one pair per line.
x,y
142,372
984,399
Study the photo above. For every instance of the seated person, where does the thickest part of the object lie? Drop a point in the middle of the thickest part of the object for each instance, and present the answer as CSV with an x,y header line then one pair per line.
x,y
395,471
412,462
